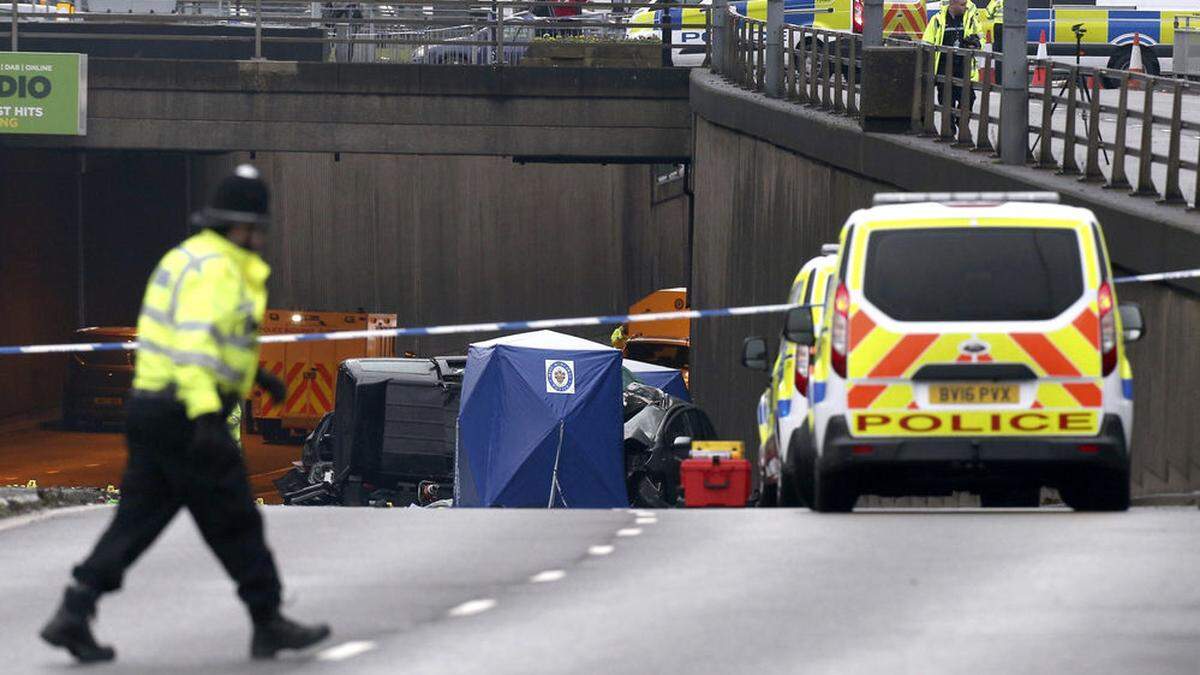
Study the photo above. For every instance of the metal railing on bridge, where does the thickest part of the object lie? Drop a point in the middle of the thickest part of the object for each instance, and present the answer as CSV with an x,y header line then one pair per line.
x,y
1099,124
490,32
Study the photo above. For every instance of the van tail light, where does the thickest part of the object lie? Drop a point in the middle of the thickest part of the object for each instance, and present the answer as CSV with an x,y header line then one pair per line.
x,y
857,16
1108,329
839,332
802,358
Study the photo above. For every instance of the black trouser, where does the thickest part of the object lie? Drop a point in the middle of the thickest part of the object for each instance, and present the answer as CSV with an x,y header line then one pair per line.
x,y
164,475
957,90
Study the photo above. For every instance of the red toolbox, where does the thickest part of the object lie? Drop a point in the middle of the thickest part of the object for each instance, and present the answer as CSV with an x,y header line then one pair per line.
x,y
715,481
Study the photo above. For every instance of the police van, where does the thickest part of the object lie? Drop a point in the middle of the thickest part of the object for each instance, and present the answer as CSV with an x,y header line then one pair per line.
x,y
689,35
783,407
970,342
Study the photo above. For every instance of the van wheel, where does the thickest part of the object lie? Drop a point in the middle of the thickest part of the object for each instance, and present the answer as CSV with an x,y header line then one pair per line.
x,y
788,496
1014,497
1099,490
803,459
833,492
1121,59
770,495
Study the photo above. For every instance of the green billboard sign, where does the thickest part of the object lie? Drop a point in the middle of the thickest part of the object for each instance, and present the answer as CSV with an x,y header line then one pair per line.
x,y
43,93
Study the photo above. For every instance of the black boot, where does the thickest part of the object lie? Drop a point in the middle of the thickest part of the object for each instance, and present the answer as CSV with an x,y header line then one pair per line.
x,y
70,627
279,632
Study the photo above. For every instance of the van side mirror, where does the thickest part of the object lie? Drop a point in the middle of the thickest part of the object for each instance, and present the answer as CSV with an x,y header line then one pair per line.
x,y
754,353
1133,326
799,326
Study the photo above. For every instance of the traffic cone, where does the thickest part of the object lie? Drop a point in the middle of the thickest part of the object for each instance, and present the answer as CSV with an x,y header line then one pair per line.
x,y
1135,62
1039,72
988,74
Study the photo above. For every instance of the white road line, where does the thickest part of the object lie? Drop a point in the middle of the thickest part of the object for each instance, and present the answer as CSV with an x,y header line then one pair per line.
x,y
346,650
53,471
90,466
547,576
603,549
629,532
644,514
647,521
473,607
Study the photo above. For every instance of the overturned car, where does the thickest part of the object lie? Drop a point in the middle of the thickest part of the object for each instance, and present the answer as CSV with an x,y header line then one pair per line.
x,y
391,437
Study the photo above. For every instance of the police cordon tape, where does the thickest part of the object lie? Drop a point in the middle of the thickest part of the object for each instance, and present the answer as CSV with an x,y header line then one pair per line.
x,y
498,327
437,330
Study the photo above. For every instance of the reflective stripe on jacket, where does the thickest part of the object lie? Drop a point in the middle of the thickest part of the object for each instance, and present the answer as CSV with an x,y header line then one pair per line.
x,y
995,11
936,28
198,328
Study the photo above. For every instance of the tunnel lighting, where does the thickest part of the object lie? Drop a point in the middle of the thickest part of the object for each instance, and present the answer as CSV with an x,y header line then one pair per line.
x,y
296,318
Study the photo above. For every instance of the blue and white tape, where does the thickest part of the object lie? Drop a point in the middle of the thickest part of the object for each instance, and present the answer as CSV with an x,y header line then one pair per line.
x,y
1159,276
502,326
436,330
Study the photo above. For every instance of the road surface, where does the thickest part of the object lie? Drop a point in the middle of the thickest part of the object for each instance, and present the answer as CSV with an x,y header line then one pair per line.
x,y
93,459
736,591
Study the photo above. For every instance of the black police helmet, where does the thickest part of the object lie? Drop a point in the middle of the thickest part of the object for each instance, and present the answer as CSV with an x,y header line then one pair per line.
x,y
240,198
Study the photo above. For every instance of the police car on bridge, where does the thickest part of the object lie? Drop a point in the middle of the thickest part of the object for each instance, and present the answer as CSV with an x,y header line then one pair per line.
x,y
970,342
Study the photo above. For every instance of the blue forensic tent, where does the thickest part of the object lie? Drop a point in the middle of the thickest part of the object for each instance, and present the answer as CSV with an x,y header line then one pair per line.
x,y
541,424
669,380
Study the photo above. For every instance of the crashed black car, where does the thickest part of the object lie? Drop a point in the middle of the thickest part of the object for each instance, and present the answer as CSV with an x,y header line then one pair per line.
x,y
389,440
391,437
659,430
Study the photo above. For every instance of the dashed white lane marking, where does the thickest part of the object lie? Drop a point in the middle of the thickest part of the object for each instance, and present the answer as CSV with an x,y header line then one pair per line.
x,y
647,521
91,466
643,514
473,607
346,650
629,532
602,549
547,576
53,471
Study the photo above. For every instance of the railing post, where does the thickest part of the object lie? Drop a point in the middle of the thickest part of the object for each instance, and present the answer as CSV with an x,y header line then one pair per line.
x,y
1014,103
1171,193
499,33
947,130
1145,184
667,34
718,37
15,21
983,142
873,23
774,65
1091,169
1117,179
814,75
1070,166
1046,134
258,30
852,78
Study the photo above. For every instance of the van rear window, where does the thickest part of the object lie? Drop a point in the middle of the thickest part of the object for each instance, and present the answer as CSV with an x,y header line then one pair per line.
x,y
973,274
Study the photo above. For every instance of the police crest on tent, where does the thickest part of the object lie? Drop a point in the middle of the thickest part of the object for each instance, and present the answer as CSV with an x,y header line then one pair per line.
x,y
560,376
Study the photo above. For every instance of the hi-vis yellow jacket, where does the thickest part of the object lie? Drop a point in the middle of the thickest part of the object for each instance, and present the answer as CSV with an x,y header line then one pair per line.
x,y
973,20
198,328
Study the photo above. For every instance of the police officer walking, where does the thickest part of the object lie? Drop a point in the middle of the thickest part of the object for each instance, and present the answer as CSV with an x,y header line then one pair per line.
x,y
197,359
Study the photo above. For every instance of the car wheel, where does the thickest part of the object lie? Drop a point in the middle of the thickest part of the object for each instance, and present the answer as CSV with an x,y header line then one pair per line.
x,y
1099,490
833,492
1014,497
